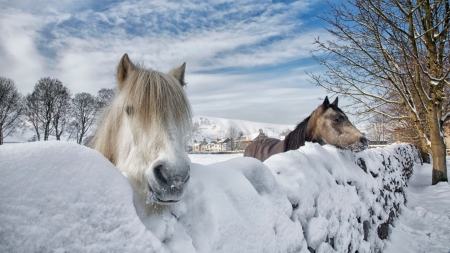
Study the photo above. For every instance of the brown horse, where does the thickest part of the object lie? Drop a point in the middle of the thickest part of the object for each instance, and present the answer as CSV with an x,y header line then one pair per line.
x,y
326,125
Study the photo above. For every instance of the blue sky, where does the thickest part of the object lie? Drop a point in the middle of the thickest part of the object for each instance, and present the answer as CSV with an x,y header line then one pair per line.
x,y
245,59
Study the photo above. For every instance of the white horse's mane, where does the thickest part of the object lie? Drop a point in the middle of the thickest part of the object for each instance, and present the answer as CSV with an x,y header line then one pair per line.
x,y
142,132
151,96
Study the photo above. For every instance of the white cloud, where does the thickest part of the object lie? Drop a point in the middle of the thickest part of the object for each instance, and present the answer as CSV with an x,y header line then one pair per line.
x,y
82,47
19,56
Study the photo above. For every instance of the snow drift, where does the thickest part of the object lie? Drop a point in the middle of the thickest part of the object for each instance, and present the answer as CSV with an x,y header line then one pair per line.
x,y
57,196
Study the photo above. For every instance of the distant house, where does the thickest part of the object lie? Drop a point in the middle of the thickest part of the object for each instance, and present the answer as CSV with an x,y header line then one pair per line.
x,y
225,144
245,140
210,146
219,145
199,146
255,136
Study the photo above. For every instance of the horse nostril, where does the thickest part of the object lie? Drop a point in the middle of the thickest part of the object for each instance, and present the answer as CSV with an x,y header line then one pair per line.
x,y
363,140
177,184
159,173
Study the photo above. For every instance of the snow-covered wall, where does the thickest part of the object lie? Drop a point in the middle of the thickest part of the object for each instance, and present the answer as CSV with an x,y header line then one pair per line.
x,y
57,196
344,201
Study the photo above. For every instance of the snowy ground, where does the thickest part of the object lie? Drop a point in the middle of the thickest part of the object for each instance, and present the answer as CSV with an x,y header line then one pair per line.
x,y
207,159
424,223
63,197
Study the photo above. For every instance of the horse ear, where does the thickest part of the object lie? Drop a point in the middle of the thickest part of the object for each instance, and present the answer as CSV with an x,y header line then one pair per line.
x,y
123,70
326,102
335,102
178,73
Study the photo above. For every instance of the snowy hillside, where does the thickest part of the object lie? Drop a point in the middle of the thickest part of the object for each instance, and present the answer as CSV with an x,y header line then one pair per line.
x,y
211,128
59,196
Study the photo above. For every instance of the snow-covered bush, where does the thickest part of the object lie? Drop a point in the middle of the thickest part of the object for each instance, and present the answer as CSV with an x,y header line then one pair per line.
x,y
65,197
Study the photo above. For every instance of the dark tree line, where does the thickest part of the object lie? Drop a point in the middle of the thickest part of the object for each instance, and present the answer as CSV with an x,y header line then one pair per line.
x,y
50,109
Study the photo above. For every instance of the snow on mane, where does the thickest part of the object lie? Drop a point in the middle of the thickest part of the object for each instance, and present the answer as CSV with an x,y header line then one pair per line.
x,y
57,196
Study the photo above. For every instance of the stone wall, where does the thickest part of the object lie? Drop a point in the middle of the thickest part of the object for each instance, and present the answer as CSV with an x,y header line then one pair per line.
x,y
345,201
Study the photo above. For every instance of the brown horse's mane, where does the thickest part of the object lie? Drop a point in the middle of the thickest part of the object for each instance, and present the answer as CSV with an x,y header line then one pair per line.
x,y
297,138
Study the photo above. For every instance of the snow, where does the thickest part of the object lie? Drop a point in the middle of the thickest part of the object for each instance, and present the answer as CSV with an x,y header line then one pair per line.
x,y
65,197
207,159
424,225
334,195
59,196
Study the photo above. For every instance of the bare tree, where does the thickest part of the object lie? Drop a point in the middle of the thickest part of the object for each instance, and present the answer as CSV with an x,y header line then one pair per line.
x,y
10,107
44,107
61,112
84,108
232,134
378,129
33,111
104,97
195,129
392,53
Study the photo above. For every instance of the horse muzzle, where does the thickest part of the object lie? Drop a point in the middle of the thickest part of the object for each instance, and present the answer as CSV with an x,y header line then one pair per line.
x,y
167,184
359,146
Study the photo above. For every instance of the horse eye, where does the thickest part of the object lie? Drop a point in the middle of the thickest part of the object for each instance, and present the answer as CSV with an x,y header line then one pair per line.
x,y
336,120
129,110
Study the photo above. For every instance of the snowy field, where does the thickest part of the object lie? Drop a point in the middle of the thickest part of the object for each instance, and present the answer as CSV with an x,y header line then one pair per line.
x,y
424,224
206,159
63,197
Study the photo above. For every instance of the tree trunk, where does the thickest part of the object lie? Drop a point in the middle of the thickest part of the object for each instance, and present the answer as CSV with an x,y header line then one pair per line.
x,y
46,131
1,134
439,163
437,149
38,135
57,134
56,131
80,137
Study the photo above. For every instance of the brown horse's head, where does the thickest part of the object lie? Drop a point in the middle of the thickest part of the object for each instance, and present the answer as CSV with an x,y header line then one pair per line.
x,y
329,125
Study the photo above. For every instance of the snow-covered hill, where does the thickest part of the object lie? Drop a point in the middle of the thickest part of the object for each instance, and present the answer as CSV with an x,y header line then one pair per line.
x,y
210,128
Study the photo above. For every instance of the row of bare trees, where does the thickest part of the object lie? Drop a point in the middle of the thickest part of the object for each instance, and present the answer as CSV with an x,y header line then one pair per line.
x,y
50,110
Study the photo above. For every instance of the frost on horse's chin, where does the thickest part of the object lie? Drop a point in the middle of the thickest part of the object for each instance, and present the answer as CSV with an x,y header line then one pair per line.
x,y
357,147
151,198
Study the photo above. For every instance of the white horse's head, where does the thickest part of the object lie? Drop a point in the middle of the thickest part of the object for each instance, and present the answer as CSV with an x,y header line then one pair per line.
x,y
143,130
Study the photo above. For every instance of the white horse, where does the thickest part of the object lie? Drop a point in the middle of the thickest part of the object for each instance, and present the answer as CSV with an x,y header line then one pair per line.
x,y
142,131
